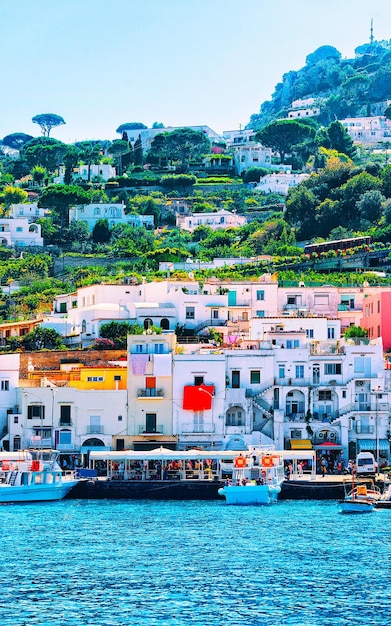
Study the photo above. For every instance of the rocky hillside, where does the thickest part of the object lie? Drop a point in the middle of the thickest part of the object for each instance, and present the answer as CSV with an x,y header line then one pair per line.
x,y
340,87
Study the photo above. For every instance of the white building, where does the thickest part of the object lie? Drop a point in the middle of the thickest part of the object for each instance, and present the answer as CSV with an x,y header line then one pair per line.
x,y
368,130
100,171
280,183
28,210
306,107
147,135
114,213
216,220
19,232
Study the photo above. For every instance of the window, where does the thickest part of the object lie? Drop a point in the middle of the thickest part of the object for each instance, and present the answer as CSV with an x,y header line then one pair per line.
x,y
65,437
65,415
120,418
235,379
36,410
324,395
198,380
299,371
190,312
234,417
260,313
16,443
292,343
309,333
16,419
215,314
321,299
281,371
332,368
255,377
344,393
63,307
260,295
331,332
19,229
117,377
95,379
5,385
159,348
95,425
139,348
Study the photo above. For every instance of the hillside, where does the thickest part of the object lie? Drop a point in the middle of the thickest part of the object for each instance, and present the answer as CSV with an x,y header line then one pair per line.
x,y
341,87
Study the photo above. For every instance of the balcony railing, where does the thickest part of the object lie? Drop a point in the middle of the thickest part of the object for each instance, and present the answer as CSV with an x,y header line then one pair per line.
x,y
158,430
204,427
295,417
95,430
150,393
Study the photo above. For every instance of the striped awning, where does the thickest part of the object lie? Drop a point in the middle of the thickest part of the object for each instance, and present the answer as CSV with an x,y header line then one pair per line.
x,y
369,445
301,444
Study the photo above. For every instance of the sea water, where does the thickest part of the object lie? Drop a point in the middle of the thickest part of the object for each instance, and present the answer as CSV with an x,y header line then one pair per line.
x,y
114,563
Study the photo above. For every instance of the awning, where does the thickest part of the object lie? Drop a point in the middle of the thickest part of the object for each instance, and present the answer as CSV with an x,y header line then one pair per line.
x,y
369,445
301,444
328,445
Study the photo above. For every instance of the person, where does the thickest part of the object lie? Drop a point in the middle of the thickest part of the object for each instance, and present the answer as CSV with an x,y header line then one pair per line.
x,y
300,468
323,467
121,470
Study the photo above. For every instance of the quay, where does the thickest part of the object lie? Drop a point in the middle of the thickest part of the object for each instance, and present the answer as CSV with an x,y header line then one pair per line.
x,y
163,474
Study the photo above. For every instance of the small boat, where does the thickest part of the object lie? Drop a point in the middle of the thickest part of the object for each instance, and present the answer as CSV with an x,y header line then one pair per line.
x,y
359,500
34,477
384,502
256,479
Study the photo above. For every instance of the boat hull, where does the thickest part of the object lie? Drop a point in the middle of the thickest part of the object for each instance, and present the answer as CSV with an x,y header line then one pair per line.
x,y
250,494
10,494
356,506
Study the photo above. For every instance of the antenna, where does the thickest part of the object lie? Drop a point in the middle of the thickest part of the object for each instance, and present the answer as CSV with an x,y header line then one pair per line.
x,y
371,36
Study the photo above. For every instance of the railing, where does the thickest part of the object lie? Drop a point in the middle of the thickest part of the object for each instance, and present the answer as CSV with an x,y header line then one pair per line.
x,y
192,428
158,430
364,407
324,417
95,430
150,393
295,417
66,447
47,442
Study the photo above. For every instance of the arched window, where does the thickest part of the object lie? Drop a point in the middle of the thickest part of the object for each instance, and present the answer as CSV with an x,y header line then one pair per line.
x,y
33,228
94,442
148,323
96,211
165,324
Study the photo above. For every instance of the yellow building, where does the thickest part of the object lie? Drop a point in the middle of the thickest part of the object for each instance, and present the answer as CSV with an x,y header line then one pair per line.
x,y
99,378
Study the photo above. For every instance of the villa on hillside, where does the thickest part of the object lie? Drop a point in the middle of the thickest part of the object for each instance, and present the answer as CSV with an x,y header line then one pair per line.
x,y
114,213
216,220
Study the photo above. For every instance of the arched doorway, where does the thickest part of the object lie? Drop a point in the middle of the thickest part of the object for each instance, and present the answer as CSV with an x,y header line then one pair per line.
x,y
94,442
148,323
164,324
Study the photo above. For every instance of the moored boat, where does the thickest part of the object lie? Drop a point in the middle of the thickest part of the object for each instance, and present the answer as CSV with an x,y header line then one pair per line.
x,y
256,479
33,477
360,499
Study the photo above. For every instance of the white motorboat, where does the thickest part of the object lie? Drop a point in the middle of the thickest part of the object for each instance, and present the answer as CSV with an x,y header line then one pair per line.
x,y
360,499
256,478
33,477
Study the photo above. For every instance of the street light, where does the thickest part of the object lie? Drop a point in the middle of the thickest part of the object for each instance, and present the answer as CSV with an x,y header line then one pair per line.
x,y
377,426
213,426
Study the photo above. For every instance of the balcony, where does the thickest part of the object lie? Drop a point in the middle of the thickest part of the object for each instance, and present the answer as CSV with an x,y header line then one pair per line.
x,y
95,430
47,442
158,430
66,447
204,427
296,417
148,394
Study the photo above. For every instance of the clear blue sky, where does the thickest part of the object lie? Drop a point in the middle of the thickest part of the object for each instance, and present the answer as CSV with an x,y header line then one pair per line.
x,y
100,63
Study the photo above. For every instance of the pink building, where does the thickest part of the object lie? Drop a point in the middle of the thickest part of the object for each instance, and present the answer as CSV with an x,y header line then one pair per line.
x,y
376,317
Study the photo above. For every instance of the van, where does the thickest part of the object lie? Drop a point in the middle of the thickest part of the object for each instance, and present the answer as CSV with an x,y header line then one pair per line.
x,y
365,462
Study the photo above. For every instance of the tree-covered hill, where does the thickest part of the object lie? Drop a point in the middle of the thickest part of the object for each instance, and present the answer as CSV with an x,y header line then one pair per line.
x,y
341,87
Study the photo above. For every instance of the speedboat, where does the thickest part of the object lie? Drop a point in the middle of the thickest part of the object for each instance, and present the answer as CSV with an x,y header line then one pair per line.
x,y
33,477
256,479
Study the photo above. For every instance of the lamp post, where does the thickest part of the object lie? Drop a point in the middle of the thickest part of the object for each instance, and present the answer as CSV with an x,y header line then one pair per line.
x,y
213,426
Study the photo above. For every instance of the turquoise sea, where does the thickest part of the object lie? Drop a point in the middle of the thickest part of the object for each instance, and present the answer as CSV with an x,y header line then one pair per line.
x,y
120,563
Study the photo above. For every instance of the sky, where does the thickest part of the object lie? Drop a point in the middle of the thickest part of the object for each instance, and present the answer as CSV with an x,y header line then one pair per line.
x,y
101,63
